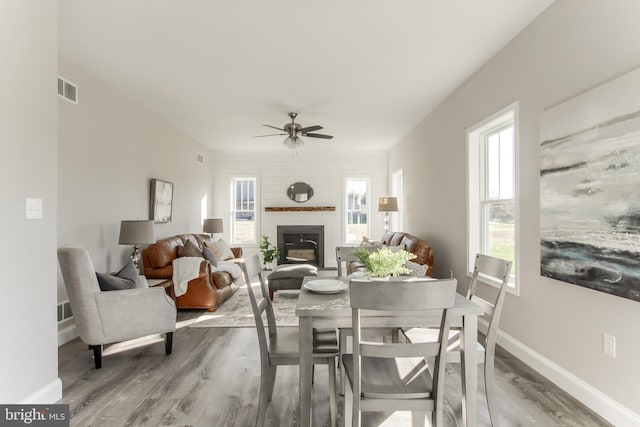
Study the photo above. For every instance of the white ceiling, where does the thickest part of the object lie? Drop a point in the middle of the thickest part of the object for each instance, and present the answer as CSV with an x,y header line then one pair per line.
x,y
368,71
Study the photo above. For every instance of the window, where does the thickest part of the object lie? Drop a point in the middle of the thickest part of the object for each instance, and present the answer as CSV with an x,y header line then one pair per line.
x,y
356,192
243,210
492,211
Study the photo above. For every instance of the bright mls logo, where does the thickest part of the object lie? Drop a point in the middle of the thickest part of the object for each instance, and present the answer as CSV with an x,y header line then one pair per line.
x,y
34,415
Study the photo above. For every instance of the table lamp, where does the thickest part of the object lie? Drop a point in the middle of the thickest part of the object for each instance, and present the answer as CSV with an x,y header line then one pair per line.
x,y
212,226
387,204
136,232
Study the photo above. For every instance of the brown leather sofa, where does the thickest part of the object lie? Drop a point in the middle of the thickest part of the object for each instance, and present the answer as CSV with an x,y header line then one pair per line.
x,y
207,291
424,253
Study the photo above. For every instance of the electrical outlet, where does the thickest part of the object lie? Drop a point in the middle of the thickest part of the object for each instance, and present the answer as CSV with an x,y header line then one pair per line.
x,y
609,345
34,209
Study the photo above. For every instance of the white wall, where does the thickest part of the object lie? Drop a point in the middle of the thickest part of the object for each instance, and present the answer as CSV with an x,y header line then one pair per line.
x,y
324,171
109,149
28,137
573,46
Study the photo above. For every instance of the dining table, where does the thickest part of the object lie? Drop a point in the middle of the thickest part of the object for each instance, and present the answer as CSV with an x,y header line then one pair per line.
x,y
333,310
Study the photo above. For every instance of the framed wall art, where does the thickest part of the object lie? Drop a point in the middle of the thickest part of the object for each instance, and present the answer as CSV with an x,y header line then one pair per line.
x,y
161,201
589,198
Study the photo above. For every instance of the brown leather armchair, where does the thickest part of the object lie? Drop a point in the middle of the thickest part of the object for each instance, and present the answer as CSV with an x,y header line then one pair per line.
x,y
207,291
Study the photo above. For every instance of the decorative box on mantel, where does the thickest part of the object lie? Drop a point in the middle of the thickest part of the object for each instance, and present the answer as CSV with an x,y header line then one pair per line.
x,y
300,208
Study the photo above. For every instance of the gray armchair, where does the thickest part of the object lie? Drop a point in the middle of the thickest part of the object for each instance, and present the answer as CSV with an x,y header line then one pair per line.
x,y
113,316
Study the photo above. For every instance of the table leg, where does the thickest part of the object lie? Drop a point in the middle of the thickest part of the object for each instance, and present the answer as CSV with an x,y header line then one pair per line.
x,y
306,364
469,368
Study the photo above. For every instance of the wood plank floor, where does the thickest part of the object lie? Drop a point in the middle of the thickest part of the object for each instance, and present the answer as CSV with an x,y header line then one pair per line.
x,y
212,379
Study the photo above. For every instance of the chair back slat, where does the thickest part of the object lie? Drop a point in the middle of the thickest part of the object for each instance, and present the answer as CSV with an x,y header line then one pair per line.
x,y
487,306
402,295
390,350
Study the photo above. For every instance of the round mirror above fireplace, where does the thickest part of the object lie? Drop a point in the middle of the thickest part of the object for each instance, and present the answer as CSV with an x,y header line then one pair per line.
x,y
300,192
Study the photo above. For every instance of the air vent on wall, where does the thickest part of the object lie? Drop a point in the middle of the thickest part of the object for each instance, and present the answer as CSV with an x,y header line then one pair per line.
x,y
67,90
64,311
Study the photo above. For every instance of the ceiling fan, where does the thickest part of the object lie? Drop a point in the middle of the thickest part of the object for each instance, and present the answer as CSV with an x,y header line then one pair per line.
x,y
294,130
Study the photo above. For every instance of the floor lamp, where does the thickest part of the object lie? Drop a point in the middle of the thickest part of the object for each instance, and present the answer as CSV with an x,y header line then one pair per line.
x,y
387,204
137,232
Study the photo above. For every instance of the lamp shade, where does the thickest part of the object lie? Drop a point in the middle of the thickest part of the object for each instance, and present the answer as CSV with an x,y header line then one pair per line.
x,y
212,225
137,232
388,204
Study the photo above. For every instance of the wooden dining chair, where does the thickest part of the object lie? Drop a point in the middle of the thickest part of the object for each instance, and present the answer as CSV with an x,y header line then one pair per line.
x,y
280,346
492,270
346,254
384,377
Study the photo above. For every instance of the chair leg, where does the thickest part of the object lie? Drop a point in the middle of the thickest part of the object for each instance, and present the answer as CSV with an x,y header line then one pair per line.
x,y
97,355
342,348
348,405
418,419
264,395
272,381
271,295
491,389
168,343
395,335
333,404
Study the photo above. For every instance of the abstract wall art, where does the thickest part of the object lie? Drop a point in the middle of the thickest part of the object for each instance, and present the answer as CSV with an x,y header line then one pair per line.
x,y
590,189
161,200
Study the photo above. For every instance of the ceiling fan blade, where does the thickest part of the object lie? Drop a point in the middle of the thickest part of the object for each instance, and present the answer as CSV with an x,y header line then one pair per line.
x,y
273,134
310,129
273,127
318,135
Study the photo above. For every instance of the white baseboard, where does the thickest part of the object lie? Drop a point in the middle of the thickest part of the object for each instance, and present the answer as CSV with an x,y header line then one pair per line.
x,y
67,333
591,397
49,394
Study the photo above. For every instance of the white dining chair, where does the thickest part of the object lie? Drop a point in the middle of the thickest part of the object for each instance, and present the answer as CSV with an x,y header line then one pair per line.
x,y
492,270
346,254
280,346
384,377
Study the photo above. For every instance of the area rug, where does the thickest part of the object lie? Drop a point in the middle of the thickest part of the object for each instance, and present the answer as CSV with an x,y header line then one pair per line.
x,y
236,311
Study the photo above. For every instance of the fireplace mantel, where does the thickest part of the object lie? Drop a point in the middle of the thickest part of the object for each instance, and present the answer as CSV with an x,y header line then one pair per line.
x,y
299,208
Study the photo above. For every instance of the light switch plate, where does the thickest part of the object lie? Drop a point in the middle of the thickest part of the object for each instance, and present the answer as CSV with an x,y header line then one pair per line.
x,y
34,209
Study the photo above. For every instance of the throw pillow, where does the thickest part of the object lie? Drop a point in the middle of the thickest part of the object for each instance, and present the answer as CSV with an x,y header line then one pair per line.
x,y
189,249
418,270
220,249
126,278
210,256
397,248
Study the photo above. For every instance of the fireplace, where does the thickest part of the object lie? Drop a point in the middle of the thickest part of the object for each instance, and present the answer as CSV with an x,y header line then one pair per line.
x,y
301,244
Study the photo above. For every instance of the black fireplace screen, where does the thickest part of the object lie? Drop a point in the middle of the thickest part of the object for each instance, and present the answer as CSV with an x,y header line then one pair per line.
x,y
301,244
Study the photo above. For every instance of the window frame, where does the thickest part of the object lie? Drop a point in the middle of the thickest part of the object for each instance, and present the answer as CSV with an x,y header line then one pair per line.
x,y
256,204
345,199
478,201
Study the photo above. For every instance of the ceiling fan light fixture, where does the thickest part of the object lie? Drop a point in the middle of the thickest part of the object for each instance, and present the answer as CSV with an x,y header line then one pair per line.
x,y
293,143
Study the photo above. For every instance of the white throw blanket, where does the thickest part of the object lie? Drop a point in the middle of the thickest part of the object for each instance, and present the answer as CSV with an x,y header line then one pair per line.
x,y
185,269
232,268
